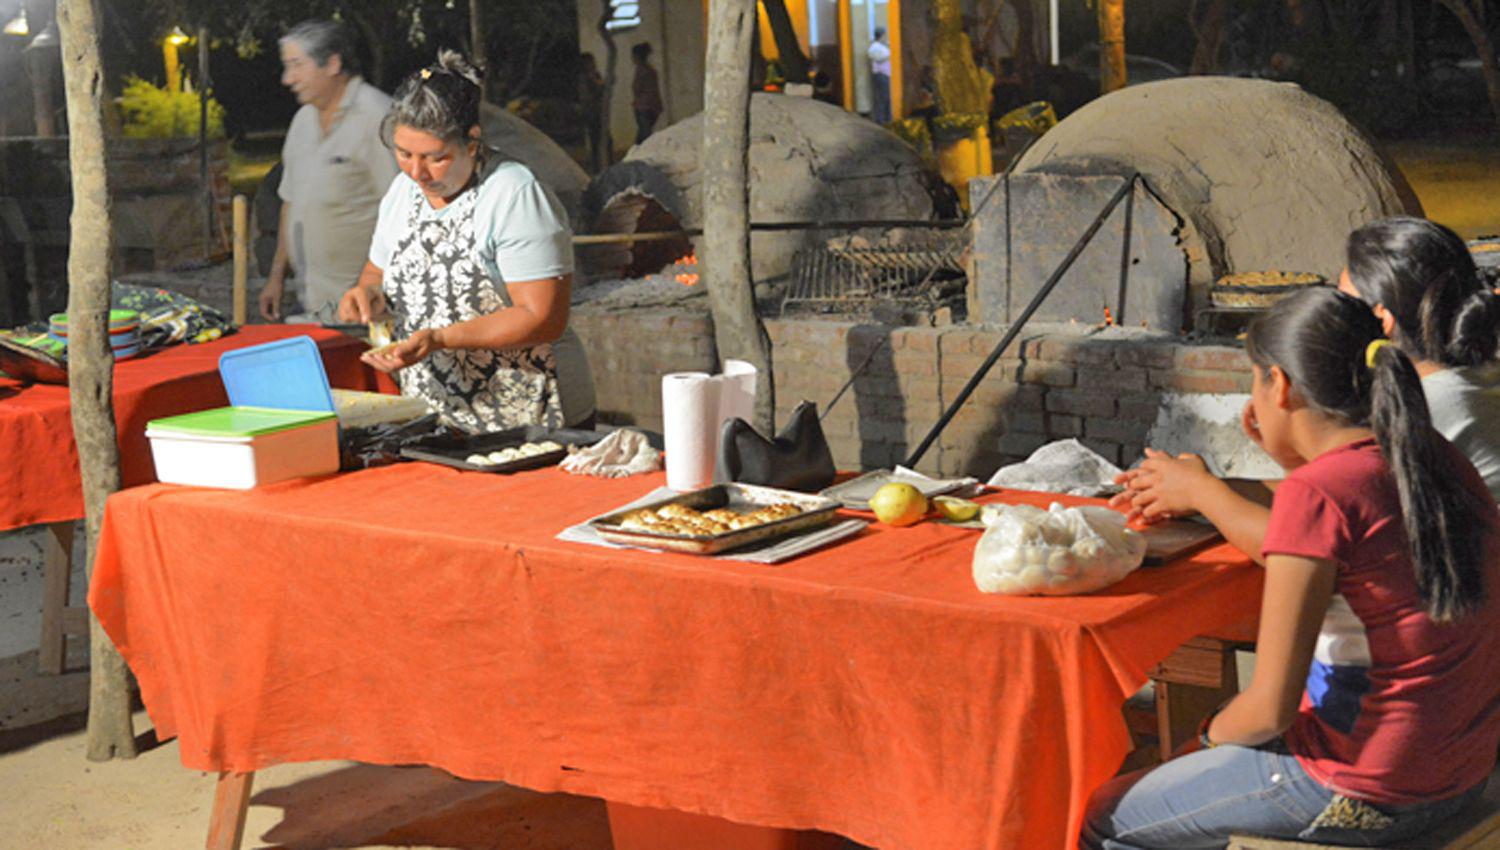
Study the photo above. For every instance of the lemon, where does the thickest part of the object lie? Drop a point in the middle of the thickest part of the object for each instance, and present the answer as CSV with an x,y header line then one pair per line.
x,y
898,504
955,509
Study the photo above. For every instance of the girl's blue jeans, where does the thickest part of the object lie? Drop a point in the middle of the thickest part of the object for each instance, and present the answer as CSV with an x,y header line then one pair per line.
x,y
1200,799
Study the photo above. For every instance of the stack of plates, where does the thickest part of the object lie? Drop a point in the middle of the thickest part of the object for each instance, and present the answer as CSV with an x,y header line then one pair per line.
x,y
124,331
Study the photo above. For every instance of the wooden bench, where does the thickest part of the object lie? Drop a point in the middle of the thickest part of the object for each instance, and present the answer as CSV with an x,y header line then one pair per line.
x,y
1475,828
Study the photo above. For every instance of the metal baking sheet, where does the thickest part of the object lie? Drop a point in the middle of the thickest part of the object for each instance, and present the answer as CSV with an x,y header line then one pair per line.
x,y
742,498
856,493
453,451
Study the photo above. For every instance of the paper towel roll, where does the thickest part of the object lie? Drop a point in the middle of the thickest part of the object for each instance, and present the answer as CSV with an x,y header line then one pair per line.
x,y
690,428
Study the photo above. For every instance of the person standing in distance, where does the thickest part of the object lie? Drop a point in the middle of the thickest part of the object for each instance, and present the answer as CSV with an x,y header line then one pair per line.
x,y
880,78
335,170
645,92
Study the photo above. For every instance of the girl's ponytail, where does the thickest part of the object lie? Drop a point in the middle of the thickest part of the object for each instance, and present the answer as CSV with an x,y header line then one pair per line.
x,y
1441,518
1331,347
1475,325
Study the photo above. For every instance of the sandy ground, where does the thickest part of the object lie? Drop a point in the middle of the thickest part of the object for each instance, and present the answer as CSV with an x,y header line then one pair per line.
x,y
1458,181
55,799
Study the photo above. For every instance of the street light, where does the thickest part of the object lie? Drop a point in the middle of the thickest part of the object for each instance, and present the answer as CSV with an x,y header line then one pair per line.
x,y
18,25
175,39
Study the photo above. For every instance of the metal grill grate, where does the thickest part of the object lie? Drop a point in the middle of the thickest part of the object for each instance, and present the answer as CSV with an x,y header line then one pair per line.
x,y
921,275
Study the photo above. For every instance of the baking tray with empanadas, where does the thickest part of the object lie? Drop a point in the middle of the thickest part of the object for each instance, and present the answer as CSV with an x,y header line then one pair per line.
x,y
512,450
715,519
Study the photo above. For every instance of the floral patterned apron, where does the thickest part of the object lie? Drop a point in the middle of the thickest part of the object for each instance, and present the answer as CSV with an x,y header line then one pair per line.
x,y
436,278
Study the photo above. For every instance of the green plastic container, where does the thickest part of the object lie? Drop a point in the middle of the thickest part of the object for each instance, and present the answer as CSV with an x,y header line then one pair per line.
x,y
243,447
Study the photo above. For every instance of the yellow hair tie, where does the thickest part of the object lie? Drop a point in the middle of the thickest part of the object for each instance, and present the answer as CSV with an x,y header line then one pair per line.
x,y
426,73
1373,349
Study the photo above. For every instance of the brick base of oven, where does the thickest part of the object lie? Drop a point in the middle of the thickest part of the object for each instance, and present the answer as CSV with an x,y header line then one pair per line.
x,y
1115,389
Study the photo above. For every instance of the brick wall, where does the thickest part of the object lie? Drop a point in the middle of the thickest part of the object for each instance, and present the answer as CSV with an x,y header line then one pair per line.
x,y
1104,388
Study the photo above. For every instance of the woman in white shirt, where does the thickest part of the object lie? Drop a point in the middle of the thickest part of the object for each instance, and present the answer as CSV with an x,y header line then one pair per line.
x,y
473,257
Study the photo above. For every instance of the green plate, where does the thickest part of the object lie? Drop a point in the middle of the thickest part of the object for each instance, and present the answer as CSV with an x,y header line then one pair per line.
x,y
237,421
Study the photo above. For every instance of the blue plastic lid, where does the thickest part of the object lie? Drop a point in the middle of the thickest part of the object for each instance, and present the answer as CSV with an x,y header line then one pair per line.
x,y
286,374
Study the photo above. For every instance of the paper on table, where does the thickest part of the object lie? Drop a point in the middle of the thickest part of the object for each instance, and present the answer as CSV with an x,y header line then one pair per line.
x,y
690,403
773,552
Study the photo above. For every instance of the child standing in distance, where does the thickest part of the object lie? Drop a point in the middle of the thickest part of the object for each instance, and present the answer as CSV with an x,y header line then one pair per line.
x,y
1374,711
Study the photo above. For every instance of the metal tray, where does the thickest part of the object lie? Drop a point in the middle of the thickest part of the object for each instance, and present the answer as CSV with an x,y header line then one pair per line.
x,y
30,365
451,451
816,511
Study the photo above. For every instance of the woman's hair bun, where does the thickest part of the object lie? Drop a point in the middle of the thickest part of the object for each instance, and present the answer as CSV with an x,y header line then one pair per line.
x,y
454,63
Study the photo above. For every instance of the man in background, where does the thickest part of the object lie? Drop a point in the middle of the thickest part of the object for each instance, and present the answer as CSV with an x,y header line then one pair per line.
x,y
645,92
335,170
879,55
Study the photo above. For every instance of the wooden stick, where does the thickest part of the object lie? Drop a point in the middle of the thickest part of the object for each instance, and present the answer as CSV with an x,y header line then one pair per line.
x,y
58,542
661,235
226,826
241,256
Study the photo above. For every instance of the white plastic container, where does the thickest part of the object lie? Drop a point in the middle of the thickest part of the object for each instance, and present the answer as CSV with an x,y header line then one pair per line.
x,y
243,447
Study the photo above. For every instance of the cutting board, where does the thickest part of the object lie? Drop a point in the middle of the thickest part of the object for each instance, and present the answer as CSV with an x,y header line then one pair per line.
x,y
1173,539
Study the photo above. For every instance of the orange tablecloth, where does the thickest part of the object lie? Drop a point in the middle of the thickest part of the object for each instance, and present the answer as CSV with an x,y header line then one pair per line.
x,y
416,614
39,461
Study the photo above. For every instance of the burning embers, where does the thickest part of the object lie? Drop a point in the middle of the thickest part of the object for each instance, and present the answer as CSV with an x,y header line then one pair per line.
x,y
687,278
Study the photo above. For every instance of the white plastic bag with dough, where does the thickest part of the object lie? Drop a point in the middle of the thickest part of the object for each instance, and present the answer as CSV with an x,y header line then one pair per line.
x,y
1059,551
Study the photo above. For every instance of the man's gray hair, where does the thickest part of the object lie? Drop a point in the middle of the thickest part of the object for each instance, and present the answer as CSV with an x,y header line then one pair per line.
x,y
323,39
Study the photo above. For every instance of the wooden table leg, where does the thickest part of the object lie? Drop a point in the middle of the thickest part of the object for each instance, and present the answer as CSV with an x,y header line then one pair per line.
x,y
57,573
1194,680
226,826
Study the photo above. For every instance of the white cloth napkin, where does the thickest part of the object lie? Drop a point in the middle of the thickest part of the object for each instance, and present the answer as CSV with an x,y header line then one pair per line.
x,y
623,452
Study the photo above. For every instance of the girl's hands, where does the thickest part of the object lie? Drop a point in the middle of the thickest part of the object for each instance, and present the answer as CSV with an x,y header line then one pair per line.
x,y
1250,425
1162,487
399,355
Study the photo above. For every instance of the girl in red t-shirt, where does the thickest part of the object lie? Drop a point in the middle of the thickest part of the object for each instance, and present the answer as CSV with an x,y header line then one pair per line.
x,y
1374,711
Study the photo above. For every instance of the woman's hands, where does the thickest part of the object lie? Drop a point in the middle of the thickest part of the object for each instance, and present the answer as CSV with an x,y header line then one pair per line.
x,y
399,355
1162,487
362,304
365,300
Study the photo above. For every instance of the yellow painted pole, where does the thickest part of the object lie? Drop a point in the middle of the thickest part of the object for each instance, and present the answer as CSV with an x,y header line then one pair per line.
x,y
174,70
893,26
846,52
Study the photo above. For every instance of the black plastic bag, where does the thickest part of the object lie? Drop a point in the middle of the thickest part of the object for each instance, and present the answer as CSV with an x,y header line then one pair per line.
x,y
797,459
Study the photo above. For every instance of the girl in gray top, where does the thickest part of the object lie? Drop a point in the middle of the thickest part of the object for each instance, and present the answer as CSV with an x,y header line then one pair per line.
x,y
1420,280
474,258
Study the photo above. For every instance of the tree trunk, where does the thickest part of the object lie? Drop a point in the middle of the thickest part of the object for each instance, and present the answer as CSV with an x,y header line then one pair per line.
x,y
726,199
479,48
611,74
1210,35
793,60
1471,16
1111,45
90,361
